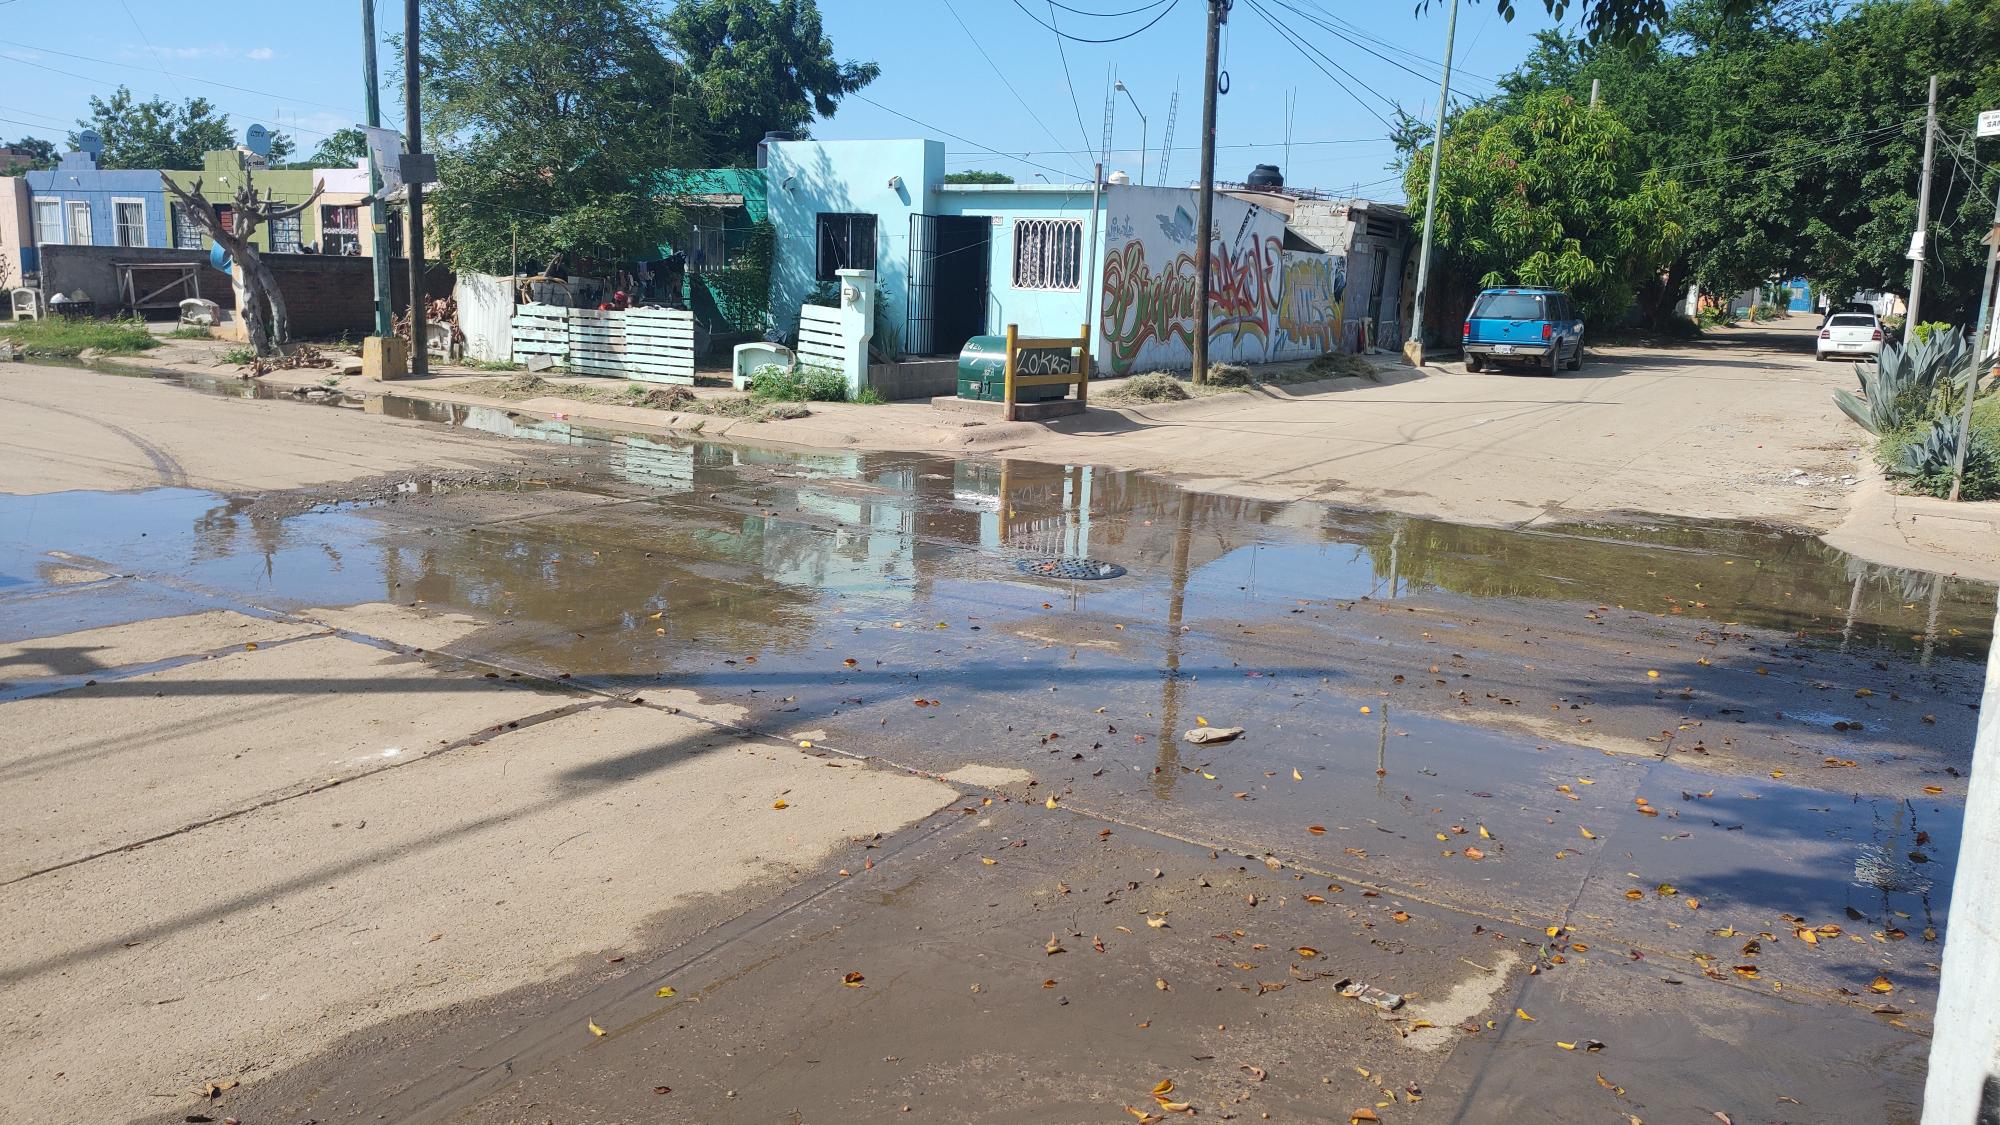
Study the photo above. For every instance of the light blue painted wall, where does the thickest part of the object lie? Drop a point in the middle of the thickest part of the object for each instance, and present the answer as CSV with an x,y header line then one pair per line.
x,y
1038,312
79,178
808,178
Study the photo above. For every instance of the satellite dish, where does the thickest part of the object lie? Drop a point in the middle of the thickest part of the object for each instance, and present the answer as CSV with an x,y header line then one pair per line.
x,y
258,140
88,141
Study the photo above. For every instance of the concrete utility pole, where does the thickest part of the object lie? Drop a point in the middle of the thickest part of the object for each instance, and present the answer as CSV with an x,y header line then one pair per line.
x,y
1413,344
1218,10
413,254
378,216
1917,248
1593,93
1089,278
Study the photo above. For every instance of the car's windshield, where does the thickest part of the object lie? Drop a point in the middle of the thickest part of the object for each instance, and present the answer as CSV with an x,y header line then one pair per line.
x,y
1508,306
1852,321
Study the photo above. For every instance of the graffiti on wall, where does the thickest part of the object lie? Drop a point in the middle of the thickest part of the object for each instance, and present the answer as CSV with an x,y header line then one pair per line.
x,y
1265,302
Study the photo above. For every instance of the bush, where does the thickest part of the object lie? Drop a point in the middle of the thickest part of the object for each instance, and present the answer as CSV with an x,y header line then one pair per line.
x,y
64,338
1920,456
239,357
1228,375
771,383
1929,328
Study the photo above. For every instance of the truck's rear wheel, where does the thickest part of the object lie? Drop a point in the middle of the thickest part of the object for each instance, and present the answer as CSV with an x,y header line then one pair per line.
x,y
1474,362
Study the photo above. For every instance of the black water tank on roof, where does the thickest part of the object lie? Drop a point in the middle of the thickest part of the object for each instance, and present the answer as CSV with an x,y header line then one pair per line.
x,y
1266,177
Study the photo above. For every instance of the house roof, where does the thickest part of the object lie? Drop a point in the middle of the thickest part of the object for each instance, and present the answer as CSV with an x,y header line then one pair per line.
x,y
717,187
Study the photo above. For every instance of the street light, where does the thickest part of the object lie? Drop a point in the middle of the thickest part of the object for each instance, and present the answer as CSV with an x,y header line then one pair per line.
x,y
1120,85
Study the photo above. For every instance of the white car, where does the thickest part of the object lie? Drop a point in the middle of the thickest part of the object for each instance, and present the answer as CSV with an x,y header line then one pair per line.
x,y
1854,334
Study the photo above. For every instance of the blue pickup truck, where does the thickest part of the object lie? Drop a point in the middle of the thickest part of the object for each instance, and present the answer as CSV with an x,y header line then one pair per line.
x,y
1535,327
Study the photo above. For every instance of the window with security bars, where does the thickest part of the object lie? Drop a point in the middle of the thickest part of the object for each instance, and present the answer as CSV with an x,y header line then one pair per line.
x,y
187,232
128,220
708,250
846,242
1048,253
340,231
285,235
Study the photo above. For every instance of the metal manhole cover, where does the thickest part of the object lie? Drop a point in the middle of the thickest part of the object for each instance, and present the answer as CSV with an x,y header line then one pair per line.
x,y
1085,570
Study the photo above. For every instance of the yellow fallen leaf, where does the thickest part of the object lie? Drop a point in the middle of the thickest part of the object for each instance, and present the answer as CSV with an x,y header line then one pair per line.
x,y
853,980
1165,1087
1367,710
1175,1107
1054,946
1051,802
1777,773
988,860
1307,952
1566,1046
1635,894
1588,834
594,1029
1361,1115
1651,675
1157,923
805,744
1522,1013
780,803
1199,721
1692,903
1208,775
667,991
1586,781
1881,984
1296,775
1484,834
1933,790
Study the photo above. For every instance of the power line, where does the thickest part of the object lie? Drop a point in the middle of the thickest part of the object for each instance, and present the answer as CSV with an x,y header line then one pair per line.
x,y
1308,52
1032,116
1349,32
1109,15
1243,144
88,78
956,137
1071,83
1171,5
152,50
170,74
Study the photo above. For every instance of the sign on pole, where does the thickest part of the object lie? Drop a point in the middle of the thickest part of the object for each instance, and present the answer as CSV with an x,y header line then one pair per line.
x,y
1989,123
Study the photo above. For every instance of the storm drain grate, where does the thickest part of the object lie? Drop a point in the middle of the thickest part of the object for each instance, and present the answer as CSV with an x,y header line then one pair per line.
x,y
1083,570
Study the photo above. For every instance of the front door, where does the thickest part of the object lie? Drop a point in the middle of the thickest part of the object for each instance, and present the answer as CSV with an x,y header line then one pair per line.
x,y
960,280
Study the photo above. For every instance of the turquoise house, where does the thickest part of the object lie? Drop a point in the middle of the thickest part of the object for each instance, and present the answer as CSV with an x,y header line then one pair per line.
x,y
952,261
727,220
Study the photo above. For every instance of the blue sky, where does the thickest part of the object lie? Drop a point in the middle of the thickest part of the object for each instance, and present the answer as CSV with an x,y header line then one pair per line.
x,y
299,70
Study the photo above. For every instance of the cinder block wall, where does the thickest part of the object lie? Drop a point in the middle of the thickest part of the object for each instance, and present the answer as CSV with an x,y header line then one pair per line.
x,y
326,296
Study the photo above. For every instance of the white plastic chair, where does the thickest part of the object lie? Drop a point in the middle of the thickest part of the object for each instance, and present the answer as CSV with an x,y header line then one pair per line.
x,y
27,304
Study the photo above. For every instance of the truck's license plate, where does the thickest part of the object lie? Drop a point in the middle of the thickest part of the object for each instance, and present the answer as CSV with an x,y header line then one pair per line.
x,y
1503,349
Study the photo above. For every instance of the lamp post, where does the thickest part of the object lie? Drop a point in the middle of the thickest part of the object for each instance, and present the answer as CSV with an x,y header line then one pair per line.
x,y
1120,85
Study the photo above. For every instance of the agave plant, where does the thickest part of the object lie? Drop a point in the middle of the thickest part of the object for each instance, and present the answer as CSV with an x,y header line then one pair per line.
x,y
1931,453
1904,379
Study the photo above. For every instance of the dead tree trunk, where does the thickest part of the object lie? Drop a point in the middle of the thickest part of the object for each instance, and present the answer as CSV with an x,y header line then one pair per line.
x,y
260,304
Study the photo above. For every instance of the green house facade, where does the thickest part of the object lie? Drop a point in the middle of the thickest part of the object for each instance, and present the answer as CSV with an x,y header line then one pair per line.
x,y
223,172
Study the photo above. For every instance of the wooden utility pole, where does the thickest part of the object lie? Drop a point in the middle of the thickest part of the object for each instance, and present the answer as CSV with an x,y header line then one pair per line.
x,y
1413,344
1218,10
420,357
1918,251
378,216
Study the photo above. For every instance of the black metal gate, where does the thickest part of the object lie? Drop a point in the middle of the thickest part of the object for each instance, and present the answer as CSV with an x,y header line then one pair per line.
x,y
921,313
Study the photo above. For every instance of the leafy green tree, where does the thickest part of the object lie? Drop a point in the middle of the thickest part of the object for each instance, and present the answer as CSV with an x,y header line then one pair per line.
x,y
41,154
340,149
1553,193
1794,130
759,65
155,133
558,120
974,176
554,116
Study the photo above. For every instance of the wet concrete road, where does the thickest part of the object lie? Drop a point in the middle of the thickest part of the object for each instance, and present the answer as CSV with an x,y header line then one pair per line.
x,y
1690,792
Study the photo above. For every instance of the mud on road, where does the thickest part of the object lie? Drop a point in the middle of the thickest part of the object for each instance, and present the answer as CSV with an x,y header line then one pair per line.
x,y
739,724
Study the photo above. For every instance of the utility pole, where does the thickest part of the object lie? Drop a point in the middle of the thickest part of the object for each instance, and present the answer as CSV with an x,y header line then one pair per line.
x,y
1218,10
413,253
1089,279
378,216
1413,344
1593,93
1917,248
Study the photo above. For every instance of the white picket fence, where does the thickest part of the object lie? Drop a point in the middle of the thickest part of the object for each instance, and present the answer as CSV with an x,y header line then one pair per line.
x,y
650,345
822,340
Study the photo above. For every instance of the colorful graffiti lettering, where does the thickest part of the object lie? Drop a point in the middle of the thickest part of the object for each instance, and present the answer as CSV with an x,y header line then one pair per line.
x,y
1309,301
1139,305
1239,304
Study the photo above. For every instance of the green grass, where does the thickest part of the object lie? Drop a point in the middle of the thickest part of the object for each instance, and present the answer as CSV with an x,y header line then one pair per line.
x,y
494,365
189,332
239,356
65,338
772,383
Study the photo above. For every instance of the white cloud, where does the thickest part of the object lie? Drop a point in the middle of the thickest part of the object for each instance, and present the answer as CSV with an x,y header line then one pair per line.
x,y
192,53
260,54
